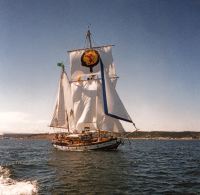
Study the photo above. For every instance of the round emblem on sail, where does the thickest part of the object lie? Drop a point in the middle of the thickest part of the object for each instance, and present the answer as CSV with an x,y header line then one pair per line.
x,y
90,58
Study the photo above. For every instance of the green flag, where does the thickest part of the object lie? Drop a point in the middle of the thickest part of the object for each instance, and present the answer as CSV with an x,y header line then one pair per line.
x,y
60,64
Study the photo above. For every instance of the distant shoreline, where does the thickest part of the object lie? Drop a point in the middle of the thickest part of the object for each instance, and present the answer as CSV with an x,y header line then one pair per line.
x,y
137,135
163,138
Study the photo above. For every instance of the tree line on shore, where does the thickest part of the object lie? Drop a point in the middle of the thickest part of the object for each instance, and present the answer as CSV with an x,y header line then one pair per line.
x,y
165,134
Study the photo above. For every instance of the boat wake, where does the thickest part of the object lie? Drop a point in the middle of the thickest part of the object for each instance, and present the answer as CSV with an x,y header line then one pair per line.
x,y
10,186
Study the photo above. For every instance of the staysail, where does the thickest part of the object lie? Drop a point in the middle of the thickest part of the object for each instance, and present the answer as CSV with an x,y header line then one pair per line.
x,y
105,122
113,105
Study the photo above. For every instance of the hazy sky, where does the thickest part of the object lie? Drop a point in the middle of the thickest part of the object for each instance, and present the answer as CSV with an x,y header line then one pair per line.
x,y
157,56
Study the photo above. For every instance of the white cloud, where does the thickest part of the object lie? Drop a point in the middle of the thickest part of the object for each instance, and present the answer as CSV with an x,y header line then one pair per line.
x,y
20,122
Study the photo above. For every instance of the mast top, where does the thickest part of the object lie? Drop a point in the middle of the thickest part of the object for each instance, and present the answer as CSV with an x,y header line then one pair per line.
x,y
88,43
60,64
88,38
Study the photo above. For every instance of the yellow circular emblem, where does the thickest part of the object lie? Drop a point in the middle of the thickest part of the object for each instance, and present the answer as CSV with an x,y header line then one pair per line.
x,y
90,58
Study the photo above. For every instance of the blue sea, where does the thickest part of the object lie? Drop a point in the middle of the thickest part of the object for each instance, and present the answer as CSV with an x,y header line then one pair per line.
x,y
137,167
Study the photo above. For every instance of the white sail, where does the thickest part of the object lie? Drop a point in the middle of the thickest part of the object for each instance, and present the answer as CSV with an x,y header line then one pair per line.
x,y
106,55
105,122
84,95
113,105
63,112
88,105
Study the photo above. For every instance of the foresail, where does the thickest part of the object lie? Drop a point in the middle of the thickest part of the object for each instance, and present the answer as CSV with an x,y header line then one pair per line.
x,y
76,66
63,112
113,105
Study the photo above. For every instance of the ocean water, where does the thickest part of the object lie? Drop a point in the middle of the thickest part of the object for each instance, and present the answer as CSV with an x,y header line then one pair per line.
x,y
139,167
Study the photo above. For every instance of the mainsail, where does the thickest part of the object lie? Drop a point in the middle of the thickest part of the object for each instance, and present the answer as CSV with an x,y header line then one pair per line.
x,y
63,112
84,95
89,107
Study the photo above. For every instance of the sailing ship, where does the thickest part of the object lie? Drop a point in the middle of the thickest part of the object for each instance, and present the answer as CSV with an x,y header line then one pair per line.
x,y
88,106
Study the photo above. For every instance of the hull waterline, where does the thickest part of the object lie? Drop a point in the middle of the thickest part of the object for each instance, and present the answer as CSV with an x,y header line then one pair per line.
x,y
106,145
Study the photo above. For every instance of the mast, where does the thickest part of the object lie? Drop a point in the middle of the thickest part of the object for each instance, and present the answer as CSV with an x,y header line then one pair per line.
x,y
68,124
88,38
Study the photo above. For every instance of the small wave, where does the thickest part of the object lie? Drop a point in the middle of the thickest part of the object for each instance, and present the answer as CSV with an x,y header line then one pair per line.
x,y
4,172
9,186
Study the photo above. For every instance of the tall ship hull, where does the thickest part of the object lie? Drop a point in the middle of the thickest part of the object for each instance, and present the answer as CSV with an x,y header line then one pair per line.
x,y
110,144
88,107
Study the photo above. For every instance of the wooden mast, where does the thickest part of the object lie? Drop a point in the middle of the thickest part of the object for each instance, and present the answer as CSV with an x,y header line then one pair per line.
x,y
88,37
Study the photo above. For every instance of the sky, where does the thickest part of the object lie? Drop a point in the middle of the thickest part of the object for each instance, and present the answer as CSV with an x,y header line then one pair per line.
x,y
157,57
